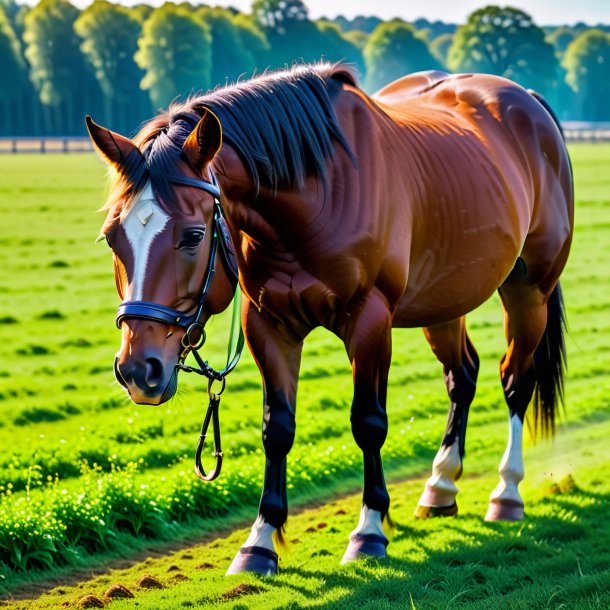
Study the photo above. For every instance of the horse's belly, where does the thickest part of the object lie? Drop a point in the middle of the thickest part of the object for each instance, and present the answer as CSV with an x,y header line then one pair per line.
x,y
440,293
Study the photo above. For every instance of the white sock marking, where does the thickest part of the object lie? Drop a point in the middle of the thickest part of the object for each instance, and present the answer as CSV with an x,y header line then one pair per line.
x,y
511,469
441,489
370,522
261,534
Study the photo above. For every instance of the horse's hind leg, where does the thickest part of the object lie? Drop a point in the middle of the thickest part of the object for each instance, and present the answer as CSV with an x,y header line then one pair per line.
x,y
278,356
451,345
367,336
533,322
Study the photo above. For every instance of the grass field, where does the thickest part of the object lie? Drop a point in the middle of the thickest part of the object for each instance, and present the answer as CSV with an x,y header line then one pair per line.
x,y
90,483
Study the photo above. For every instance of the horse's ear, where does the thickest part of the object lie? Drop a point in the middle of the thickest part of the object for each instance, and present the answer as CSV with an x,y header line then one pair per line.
x,y
204,141
112,146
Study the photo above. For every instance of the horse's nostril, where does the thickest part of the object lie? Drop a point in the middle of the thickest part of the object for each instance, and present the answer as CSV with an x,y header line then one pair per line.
x,y
154,372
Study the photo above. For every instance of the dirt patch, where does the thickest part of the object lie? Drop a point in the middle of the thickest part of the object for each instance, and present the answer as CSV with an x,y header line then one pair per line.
x,y
322,525
90,601
173,568
118,592
149,582
176,578
205,566
241,590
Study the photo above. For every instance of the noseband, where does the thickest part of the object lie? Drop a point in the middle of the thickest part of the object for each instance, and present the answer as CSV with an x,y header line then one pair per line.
x,y
194,336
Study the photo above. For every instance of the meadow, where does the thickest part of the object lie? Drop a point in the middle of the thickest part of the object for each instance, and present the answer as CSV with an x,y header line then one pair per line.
x,y
95,490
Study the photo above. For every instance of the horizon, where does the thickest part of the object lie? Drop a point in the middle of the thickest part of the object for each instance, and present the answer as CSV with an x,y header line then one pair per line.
x,y
544,12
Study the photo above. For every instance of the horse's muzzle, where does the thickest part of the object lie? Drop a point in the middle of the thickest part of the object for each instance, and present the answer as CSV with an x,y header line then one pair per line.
x,y
146,381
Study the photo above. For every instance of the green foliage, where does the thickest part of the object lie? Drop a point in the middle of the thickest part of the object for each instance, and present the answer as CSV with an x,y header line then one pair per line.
x,y
394,50
361,23
110,33
279,15
175,51
506,42
587,61
561,38
13,73
56,64
59,64
253,39
336,47
440,46
231,58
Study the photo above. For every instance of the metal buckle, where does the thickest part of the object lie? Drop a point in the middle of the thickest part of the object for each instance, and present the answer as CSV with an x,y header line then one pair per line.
x,y
187,339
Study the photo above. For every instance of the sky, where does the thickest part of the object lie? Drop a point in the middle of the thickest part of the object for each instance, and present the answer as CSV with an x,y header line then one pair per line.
x,y
544,12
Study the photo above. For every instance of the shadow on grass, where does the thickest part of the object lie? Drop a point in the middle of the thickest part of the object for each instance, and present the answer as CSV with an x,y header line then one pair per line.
x,y
557,558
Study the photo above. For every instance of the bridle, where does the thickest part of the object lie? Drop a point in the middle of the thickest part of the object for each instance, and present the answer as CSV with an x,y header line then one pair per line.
x,y
194,336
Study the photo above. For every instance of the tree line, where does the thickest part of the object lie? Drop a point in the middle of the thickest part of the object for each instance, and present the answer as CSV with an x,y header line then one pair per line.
x,y
122,65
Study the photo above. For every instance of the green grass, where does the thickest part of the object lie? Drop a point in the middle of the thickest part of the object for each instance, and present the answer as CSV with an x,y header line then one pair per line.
x,y
79,451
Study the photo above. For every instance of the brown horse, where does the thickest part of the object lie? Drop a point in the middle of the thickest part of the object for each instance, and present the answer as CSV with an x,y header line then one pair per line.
x,y
358,214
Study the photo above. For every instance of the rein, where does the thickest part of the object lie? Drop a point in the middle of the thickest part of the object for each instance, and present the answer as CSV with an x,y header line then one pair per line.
x,y
194,336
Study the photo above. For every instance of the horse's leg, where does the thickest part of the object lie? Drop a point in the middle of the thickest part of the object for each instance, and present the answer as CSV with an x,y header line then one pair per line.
x,y
278,355
368,340
525,318
451,345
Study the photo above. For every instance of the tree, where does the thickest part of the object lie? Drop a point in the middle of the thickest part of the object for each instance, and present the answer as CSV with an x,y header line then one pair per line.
x,y
506,42
357,37
175,51
253,38
230,56
336,47
394,50
12,76
560,38
110,40
440,46
292,37
65,83
279,14
587,61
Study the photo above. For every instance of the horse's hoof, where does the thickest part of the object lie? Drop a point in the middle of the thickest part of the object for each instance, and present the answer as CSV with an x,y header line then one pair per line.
x,y
425,512
365,545
504,510
254,559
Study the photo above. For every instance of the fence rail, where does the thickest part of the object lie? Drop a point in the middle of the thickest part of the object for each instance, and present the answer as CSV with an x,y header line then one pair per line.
x,y
574,132
58,144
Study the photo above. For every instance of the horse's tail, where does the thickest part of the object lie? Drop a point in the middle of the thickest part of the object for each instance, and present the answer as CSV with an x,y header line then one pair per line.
x,y
550,366
550,355
542,101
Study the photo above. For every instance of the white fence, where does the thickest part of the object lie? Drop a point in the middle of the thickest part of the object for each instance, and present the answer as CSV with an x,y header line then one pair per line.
x,y
50,144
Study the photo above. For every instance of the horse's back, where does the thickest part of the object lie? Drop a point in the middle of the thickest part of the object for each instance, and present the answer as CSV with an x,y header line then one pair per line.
x,y
409,86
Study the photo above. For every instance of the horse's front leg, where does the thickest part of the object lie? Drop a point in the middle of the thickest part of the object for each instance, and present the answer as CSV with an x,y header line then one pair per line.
x,y
368,340
278,355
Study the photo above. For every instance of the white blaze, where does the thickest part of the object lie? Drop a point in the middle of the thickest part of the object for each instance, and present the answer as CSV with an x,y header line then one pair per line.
x,y
143,223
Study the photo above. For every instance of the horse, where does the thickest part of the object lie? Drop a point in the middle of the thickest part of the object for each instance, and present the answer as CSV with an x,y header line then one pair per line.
x,y
359,214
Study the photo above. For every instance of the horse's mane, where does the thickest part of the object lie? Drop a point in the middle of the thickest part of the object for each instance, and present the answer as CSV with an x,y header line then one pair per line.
x,y
282,125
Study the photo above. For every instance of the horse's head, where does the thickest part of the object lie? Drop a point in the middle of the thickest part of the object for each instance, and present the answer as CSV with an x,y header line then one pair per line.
x,y
168,239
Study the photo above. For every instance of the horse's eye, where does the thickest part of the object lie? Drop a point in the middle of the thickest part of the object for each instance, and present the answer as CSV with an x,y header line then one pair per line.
x,y
191,238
